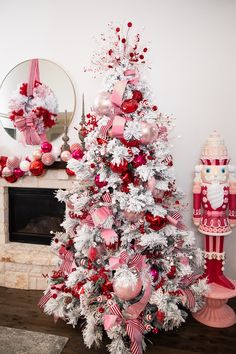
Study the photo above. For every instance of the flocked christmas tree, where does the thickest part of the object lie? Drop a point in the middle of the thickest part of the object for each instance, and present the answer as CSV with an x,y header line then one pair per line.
x,y
127,261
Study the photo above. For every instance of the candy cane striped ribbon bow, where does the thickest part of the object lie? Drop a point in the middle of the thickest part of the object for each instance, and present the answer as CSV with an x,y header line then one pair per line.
x,y
134,328
136,261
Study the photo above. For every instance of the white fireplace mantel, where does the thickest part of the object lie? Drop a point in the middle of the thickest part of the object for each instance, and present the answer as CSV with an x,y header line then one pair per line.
x,y
22,264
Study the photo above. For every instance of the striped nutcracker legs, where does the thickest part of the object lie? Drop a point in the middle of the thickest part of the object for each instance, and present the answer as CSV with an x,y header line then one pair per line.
x,y
214,261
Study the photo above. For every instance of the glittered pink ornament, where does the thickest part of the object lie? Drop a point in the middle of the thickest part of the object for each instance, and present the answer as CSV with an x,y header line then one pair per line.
x,y
99,183
149,133
48,159
12,162
154,272
102,104
133,216
7,172
75,146
46,146
65,156
37,154
127,291
139,160
18,172
77,154
25,165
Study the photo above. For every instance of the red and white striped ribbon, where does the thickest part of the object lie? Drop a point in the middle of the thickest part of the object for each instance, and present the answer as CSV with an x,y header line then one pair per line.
x,y
105,128
106,197
44,299
190,299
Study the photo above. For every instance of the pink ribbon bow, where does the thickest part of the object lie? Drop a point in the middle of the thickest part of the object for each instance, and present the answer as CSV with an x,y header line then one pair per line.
x,y
26,126
119,87
100,215
134,328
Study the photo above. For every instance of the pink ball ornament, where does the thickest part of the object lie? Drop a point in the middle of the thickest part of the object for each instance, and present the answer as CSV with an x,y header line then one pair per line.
x,y
18,172
12,162
37,154
48,159
77,154
149,133
46,146
65,156
75,146
7,172
25,165
103,105
127,291
132,216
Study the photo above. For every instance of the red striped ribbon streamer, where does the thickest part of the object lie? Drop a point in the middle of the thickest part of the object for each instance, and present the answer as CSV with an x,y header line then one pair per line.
x,y
105,128
190,299
134,328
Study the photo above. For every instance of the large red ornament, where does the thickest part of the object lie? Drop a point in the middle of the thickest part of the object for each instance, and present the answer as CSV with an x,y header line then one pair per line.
x,y
121,168
129,106
137,95
11,179
36,168
156,222
160,316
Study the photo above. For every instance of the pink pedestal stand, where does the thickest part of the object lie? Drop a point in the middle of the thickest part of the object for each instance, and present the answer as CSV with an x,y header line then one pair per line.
x,y
216,312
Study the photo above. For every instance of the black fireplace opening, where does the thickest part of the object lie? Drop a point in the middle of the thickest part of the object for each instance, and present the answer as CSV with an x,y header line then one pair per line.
x,y
33,213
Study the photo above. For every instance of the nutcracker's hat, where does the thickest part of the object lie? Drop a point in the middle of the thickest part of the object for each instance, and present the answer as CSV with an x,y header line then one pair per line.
x,y
214,151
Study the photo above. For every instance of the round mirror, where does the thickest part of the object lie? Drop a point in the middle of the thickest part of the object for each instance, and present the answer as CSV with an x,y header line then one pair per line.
x,y
37,101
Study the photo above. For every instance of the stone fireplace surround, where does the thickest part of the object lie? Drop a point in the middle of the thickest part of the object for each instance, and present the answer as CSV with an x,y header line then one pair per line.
x,y
22,264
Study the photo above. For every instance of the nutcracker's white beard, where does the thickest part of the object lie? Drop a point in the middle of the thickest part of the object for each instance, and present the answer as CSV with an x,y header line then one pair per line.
x,y
215,194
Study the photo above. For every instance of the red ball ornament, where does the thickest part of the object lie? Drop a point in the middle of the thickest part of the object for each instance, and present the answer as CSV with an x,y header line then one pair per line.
x,y
129,24
46,146
77,154
99,183
127,178
70,172
154,272
139,160
92,253
137,95
11,179
101,309
36,168
121,168
156,222
18,172
129,106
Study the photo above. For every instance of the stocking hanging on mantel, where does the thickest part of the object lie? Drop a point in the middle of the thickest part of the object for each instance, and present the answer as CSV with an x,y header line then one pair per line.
x,y
127,262
33,107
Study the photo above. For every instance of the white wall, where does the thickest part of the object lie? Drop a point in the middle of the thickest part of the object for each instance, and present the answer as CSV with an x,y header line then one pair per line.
x,y
193,72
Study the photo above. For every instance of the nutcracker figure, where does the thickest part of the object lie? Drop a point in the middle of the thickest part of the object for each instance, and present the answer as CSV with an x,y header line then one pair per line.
x,y
214,206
